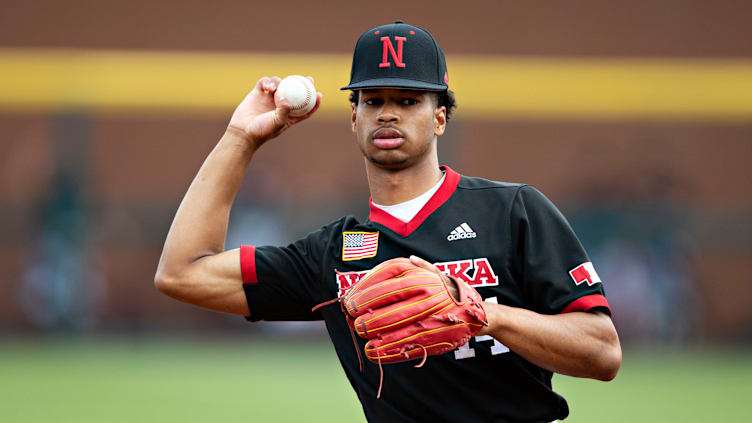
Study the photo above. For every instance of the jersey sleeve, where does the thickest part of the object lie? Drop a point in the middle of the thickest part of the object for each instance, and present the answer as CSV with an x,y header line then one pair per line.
x,y
555,271
283,283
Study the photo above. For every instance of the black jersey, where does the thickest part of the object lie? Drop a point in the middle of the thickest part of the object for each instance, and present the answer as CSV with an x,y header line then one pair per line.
x,y
506,240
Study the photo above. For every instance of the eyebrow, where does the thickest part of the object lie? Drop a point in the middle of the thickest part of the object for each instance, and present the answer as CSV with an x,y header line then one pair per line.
x,y
373,90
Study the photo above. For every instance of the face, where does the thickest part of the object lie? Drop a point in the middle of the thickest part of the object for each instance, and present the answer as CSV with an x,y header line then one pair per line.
x,y
397,128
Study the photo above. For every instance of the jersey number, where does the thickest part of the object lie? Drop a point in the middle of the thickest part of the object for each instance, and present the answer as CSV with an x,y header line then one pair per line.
x,y
498,348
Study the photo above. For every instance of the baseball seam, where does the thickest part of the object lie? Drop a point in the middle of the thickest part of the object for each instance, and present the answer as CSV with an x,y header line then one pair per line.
x,y
307,101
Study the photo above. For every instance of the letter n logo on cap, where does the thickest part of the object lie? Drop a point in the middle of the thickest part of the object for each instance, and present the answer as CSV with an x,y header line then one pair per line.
x,y
389,49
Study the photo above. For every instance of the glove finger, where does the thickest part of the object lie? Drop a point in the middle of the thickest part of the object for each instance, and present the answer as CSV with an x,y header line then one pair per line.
x,y
427,299
385,270
432,337
387,291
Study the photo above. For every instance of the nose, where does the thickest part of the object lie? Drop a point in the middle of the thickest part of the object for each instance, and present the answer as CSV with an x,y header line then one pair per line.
x,y
388,115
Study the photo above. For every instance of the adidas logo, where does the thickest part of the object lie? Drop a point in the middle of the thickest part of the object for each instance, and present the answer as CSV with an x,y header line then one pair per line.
x,y
461,232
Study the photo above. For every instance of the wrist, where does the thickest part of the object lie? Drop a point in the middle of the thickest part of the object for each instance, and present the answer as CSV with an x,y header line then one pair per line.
x,y
238,135
494,317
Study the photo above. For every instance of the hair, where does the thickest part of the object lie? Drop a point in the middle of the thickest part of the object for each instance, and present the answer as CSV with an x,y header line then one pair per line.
x,y
443,98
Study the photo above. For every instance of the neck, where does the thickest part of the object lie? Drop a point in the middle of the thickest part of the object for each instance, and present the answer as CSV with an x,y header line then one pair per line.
x,y
389,187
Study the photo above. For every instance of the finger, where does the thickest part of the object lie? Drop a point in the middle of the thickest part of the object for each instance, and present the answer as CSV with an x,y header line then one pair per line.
x,y
424,264
268,84
269,87
281,113
450,284
260,84
281,100
275,81
319,97
263,84
281,103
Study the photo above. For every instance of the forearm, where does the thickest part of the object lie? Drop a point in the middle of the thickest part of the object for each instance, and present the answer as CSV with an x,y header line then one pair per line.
x,y
200,224
194,266
577,344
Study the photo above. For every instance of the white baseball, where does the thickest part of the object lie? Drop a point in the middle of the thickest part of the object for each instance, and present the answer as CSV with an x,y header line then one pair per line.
x,y
299,93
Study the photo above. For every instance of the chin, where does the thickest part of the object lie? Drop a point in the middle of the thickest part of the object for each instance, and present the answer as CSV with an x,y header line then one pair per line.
x,y
390,163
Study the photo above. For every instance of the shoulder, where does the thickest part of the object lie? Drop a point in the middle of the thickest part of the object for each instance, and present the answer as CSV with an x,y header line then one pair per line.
x,y
477,188
475,183
334,229
345,223
520,194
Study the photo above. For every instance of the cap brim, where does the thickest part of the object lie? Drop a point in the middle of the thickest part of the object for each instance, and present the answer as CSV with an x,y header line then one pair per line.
x,y
395,83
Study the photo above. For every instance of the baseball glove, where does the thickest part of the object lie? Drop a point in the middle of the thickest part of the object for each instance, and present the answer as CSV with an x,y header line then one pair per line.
x,y
407,312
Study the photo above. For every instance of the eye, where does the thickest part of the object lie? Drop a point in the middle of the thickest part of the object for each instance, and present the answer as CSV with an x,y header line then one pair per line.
x,y
410,101
373,101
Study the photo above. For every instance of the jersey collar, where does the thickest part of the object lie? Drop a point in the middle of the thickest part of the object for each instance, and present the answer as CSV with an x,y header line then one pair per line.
x,y
439,197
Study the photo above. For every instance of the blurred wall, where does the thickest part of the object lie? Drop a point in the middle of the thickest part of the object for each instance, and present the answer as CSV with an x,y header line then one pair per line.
x,y
661,200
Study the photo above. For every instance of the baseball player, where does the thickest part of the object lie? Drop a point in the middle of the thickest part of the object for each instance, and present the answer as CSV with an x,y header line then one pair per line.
x,y
541,306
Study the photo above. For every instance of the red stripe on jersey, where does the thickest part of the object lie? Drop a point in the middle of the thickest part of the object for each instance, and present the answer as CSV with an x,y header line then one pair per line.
x,y
359,250
248,263
359,253
439,197
588,302
358,256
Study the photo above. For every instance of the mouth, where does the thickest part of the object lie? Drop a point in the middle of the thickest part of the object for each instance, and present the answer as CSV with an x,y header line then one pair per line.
x,y
387,138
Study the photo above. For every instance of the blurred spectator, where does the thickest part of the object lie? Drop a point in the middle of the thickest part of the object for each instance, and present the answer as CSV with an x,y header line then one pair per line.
x,y
61,287
62,284
640,246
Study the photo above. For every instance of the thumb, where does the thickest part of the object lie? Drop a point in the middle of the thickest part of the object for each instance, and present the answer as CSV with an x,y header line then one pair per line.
x,y
451,284
281,113
417,261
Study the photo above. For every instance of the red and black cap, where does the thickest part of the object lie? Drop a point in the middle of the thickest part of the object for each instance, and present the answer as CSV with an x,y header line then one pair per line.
x,y
398,55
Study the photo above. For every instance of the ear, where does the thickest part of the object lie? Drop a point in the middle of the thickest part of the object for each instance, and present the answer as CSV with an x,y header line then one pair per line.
x,y
353,116
439,121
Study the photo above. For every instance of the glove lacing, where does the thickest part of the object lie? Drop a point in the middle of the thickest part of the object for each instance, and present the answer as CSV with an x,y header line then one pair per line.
x,y
357,347
378,357
352,334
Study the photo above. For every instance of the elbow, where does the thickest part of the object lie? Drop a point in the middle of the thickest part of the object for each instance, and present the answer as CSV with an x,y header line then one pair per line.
x,y
610,363
166,284
609,358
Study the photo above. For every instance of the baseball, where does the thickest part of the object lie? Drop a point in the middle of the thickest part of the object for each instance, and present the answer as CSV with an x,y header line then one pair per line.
x,y
299,93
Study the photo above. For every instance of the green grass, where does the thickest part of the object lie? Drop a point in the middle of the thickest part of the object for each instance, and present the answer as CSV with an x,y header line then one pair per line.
x,y
671,386
283,381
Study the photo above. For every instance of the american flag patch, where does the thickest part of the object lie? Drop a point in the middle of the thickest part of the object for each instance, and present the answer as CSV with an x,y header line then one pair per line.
x,y
358,245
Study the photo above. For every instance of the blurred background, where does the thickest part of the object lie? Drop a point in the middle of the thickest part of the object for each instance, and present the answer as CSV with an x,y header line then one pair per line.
x,y
634,117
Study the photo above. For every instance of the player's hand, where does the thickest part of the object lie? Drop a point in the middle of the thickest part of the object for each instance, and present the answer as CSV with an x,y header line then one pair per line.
x,y
450,283
259,118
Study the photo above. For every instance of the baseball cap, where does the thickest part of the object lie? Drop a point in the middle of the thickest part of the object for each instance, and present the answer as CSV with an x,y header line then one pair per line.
x,y
398,55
